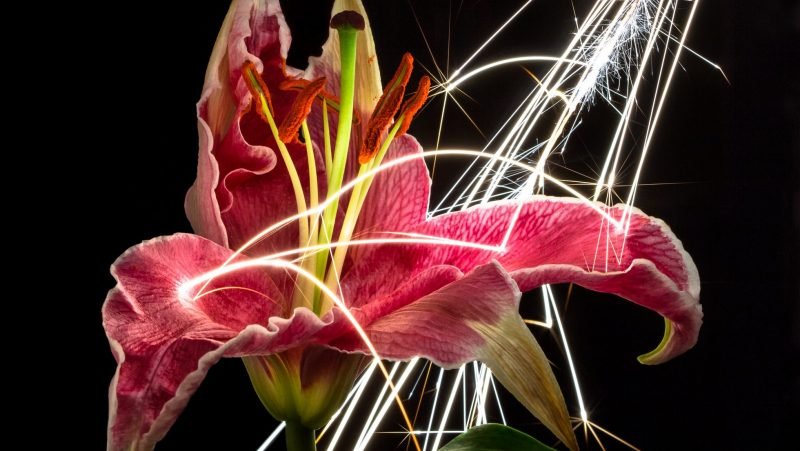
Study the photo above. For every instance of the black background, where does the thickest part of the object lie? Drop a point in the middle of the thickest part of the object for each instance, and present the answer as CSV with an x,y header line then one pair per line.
x,y
729,152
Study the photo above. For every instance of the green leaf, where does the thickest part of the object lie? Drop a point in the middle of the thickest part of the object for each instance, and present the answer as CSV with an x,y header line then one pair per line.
x,y
495,437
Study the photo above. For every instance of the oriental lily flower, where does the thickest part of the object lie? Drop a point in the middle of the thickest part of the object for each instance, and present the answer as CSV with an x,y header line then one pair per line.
x,y
300,299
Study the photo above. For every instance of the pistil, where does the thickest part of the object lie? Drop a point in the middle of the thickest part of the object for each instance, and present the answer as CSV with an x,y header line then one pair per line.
x,y
348,24
372,158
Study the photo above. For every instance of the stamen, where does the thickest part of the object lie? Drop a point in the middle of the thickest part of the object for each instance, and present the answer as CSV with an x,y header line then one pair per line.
x,y
255,84
298,84
260,94
377,126
293,84
387,107
412,105
299,110
347,23
399,79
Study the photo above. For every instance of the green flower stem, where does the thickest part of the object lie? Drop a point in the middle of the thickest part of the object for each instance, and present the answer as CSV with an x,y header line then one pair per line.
x,y
299,437
347,79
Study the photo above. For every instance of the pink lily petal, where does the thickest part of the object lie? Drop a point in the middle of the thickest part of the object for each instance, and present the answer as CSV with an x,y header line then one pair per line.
x,y
474,317
416,321
241,184
558,240
164,342
412,300
398,197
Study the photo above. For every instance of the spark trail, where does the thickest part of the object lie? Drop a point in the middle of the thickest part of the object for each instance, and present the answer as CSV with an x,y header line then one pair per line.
x,y
616,44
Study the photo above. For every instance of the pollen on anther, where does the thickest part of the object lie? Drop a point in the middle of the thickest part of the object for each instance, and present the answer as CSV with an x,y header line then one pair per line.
x,y
299,111
377,125
386,109
412,105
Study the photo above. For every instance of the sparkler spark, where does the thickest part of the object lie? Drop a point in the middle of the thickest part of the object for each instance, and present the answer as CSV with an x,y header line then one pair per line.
x,y
402,290
606,58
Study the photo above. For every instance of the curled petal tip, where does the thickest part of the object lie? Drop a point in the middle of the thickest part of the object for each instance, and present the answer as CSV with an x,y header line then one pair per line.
x,y
653,357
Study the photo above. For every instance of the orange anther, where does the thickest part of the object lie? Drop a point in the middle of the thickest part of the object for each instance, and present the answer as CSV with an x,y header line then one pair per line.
x,y
299,110
412,105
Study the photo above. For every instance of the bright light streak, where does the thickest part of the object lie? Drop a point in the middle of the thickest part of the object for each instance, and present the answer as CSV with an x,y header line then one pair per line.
x,y
272,436
578,394
359,391
433,408
383,167
616,42
376,405
449,86
373,425
319,284
491,38
598,51
353,395
417,239
448,407
659,108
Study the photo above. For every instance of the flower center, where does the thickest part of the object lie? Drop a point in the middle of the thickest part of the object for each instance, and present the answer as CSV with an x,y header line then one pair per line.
x,y
390,119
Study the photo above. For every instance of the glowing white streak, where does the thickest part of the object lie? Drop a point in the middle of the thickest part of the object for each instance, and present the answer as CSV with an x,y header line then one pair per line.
x,y
272,437
386,404
301,272
526,119
521,131
416,383
397,162
528,168
464,401
351,395
562,121
701,57
491,38
417,239
383,167
423,432
485,377
359,391
448,407
612,38
548,316
377,403
318,283
604,56
474,400
478,415
475,161
579,395
504,150
526,116
619,136
451,85
497,398
433,408
657,114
